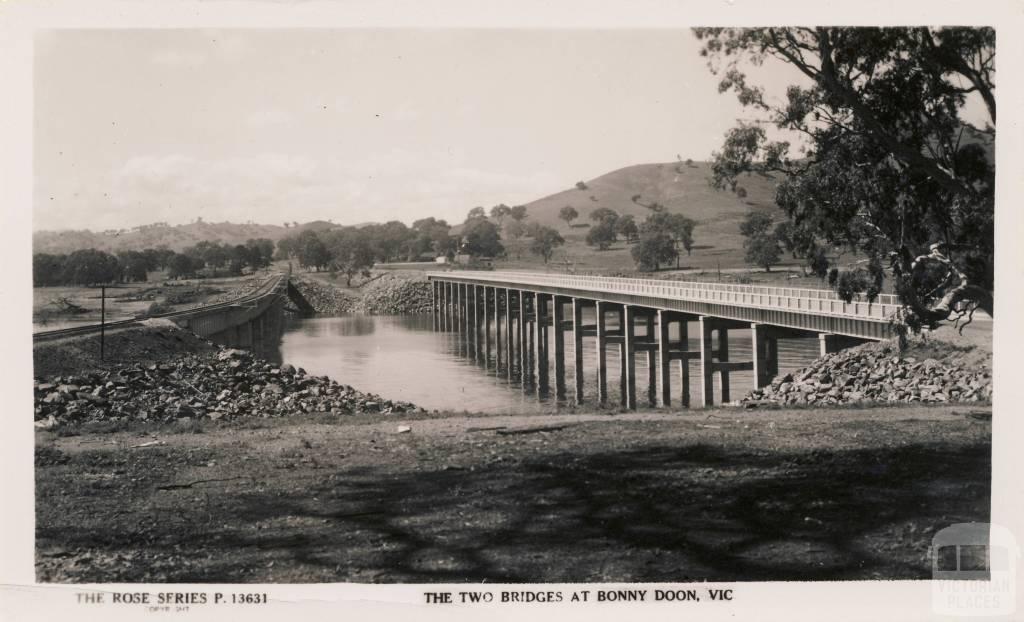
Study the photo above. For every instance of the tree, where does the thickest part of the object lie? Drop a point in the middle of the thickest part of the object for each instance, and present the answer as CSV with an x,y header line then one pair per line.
x,y
261,252
568,214
889,167
653,249
518,212
755,224
134,266
476,212
91,267
515,229
762,250
741,192
604,214
500,211
480,238
626,227
182,265
545,241
602,234
350,253
311,251
581,186
47,269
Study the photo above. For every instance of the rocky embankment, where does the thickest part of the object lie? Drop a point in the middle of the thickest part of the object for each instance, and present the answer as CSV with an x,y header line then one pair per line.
x,y
226,384
325,299
390,294
395,295
879,373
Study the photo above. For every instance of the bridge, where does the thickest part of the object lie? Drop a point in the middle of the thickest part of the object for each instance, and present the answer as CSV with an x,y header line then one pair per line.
x,y
523,312
242,322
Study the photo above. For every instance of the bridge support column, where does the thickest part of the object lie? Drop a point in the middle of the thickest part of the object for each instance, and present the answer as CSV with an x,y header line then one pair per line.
x,y
629,355
664,359
723,357
476,323
522,337
707,370
497,331
557,325
542,359
577,348
509,346
433,304
684,371
531,337
766,354
602,358
652,358
487,328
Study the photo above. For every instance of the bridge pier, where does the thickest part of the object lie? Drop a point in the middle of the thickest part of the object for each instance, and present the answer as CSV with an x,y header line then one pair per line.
x,y
830,343
602,352
558,324
577,348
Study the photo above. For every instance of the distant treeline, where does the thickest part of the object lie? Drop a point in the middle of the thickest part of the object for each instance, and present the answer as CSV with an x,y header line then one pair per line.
x,y
93,267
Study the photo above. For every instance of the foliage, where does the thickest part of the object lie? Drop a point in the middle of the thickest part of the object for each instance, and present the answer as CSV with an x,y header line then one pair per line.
x,y
568,214
518,212
581,186
480,238
604,214
476,212
350,252
762,250
626,227
653,249
500,212
889,168
545,241
602,234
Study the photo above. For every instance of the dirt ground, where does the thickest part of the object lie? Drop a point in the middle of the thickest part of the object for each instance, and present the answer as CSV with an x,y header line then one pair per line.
x,y
721,494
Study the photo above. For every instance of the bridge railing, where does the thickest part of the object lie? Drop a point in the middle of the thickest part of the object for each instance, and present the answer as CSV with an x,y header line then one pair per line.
x,y
818,302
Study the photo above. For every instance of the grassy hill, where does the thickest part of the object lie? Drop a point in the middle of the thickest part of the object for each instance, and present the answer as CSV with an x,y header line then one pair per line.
x,y
681,188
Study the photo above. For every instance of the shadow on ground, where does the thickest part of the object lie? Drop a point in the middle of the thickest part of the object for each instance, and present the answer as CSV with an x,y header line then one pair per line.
x,y
665,513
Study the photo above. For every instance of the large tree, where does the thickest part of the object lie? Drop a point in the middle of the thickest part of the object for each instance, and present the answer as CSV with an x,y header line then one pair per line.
x,y
889,167
545,241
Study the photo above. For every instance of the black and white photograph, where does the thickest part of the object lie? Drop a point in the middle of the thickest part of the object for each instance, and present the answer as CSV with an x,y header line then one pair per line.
x,y
521,314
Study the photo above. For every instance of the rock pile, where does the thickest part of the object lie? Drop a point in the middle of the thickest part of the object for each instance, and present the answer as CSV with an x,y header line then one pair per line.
x,y
877,373
395,294
326,300
229,384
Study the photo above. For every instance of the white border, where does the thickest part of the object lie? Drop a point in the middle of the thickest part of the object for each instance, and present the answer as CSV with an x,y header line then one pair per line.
x,y
19,19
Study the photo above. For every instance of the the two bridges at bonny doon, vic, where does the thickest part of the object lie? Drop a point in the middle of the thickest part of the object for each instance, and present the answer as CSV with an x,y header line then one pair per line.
x,y
521,314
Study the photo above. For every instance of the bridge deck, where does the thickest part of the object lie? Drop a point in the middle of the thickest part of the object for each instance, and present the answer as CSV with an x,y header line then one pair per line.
x,y
801,309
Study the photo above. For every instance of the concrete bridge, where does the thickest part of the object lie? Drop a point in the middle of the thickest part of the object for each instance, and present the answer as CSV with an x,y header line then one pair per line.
x,y
250,321
522,313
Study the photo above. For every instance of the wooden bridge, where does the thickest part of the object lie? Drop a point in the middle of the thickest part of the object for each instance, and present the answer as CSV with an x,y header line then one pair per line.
x,y
521,312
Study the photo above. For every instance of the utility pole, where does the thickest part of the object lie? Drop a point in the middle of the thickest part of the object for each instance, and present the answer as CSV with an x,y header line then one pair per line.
x,y
103,318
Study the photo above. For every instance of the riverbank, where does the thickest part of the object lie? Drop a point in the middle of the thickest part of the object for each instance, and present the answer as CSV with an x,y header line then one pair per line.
x,y
168,375
721,494
386,293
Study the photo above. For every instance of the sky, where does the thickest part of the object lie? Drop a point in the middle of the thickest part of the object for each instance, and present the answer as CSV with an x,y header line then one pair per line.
x,y
140,126
150,125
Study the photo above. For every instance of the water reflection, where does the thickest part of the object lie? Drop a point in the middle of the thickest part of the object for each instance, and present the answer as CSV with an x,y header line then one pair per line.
x,y
402,357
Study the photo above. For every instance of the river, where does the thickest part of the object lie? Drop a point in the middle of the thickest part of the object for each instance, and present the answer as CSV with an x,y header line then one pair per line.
x,y
403,358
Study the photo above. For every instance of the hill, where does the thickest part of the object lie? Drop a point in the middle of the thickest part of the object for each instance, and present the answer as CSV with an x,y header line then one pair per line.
x,y
682,188
156,235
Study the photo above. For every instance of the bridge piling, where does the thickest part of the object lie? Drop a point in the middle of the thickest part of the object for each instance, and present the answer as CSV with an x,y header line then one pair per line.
x,y
509,346
629,355
602,353
577,348
664,358
558,325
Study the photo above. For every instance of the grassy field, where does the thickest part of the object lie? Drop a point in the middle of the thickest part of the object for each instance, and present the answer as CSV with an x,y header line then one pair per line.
x,y
660,496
